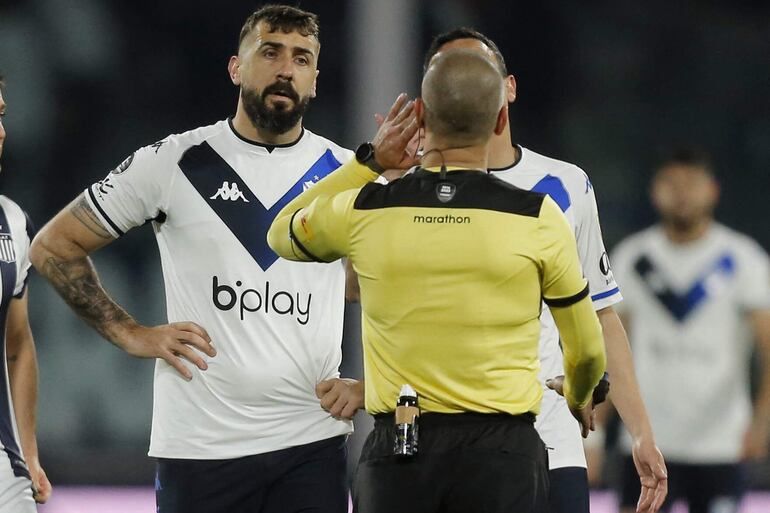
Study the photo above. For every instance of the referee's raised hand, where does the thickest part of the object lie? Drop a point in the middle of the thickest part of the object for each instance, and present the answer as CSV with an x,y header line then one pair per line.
x,y
392,138
171,342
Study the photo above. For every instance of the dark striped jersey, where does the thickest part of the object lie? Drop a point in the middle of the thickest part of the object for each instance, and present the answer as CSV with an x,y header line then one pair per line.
x,y
16,232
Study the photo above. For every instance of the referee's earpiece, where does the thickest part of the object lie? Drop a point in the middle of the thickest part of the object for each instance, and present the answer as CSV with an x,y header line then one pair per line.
x,y
442,173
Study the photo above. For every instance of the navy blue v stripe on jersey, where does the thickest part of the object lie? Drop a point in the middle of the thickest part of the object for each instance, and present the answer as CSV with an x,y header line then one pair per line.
x,y
248,220
7,438
682,305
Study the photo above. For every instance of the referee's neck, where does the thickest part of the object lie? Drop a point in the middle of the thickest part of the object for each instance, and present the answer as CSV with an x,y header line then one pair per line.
x,y
467,157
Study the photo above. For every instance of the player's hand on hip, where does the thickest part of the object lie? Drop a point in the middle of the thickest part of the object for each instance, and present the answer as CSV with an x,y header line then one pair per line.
x,y
653,475
41,486
397,130
341,397
556,384
172,342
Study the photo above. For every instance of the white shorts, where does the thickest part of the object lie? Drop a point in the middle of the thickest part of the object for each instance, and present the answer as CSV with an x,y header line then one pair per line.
x,y
15,492
560,432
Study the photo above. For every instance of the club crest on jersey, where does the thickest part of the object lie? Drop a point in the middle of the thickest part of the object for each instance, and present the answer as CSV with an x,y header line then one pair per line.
x,y
309,183
124,165
229,192
445,191
7,252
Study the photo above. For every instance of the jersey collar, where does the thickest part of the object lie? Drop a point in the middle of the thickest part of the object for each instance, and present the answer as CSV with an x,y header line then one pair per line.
x,y
268,147
515,163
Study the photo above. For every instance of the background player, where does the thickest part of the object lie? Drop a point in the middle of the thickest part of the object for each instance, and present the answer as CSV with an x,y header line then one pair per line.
x,y
21,476
696,292
248,434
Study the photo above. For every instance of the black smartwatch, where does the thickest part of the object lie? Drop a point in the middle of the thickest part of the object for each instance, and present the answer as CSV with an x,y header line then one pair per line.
x,y
365,156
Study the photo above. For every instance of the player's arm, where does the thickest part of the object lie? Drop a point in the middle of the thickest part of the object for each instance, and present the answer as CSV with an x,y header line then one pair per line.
x,y
596,266
565,291
60,252
22,376
755,445
624,393
352,287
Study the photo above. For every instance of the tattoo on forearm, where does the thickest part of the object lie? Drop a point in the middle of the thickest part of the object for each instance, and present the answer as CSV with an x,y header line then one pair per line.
x,y
76,281
11,358
85,214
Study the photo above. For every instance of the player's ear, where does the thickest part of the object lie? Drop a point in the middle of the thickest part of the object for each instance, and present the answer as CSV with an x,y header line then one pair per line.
x,y
234,70
510,88
502,119
419,112
315,81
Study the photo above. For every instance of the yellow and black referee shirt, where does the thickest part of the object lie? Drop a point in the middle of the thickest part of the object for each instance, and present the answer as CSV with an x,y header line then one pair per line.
x,y
452,273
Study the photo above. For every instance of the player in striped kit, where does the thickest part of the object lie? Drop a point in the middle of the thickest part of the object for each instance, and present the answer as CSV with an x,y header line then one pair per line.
x,y
22,480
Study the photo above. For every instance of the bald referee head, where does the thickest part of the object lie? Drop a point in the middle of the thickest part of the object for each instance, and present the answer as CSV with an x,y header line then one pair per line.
x,y
463,103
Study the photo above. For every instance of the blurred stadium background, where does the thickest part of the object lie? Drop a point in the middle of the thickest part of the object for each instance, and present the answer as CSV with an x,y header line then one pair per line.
x,y
606,85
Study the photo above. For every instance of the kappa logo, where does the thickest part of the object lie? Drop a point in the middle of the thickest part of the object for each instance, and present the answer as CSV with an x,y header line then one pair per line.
x,y
229,192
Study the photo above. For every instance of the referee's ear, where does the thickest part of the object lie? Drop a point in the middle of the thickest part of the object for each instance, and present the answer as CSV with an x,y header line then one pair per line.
x,y
234,70
502,119
419,112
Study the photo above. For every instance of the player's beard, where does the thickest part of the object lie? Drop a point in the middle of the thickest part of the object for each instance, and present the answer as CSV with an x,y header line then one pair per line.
x,y
277,119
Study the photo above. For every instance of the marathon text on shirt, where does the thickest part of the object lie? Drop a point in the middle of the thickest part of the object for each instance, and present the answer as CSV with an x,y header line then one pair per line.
x,y
445,219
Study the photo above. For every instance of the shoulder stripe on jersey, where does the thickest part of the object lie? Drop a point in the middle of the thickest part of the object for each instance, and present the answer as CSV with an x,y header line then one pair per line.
x,y
7,437
603,295
554,187
473,189
243,214
680,306
103,213
566,301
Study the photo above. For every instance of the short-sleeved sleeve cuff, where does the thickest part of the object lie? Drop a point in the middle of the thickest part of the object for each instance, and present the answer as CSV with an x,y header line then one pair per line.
x,y
108,221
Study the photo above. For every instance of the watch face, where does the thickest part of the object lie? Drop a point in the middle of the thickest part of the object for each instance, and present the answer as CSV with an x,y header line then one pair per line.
x,y
364,152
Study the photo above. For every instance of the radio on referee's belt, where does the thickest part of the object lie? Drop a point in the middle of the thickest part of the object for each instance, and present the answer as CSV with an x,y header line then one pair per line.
x,y
406,425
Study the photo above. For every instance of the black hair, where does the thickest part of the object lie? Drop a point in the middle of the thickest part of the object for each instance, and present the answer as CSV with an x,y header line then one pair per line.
x,y
691,156
464,33
285,18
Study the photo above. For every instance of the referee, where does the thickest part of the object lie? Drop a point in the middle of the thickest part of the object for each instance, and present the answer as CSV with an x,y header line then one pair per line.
x,y
453,264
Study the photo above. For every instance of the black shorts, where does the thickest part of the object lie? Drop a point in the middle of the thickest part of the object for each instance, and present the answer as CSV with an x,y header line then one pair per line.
x,y
569,490
466,463
701,486
308,478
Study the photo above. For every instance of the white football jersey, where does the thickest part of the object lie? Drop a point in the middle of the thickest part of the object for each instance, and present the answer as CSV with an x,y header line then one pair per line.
x,y
15,237
687,306
570,187
277,325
